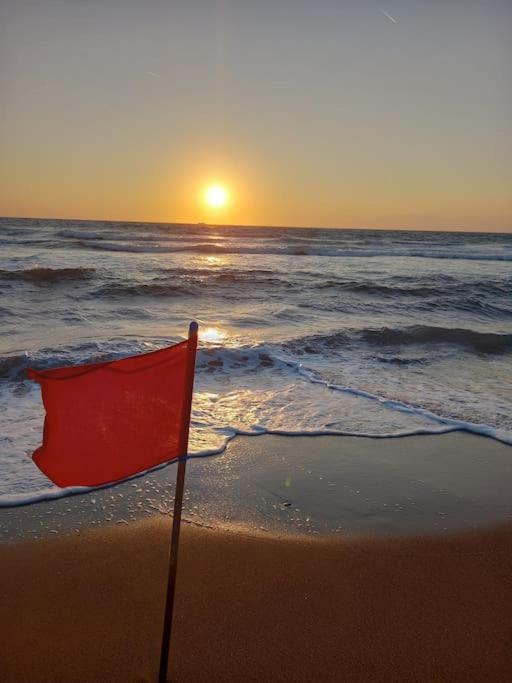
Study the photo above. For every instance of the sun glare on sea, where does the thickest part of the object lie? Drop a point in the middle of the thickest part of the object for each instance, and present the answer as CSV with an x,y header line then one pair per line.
x,y
216,196
211,334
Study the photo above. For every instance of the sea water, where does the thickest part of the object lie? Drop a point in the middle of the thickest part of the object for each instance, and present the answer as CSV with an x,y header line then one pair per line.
x,y
304,331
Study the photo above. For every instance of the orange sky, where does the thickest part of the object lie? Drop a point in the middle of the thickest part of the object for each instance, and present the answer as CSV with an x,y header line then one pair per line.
x,y
311,114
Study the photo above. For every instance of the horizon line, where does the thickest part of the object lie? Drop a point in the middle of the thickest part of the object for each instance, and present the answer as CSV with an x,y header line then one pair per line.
x,y
249,225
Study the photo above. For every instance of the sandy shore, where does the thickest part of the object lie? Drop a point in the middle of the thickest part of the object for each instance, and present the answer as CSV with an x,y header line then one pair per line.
x,y
258,608
314,485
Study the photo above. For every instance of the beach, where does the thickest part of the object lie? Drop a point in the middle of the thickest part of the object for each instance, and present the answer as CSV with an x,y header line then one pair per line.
x,y
407,594
347,511
258,608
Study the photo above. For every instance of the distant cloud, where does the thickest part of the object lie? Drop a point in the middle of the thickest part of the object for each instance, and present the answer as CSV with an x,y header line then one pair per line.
x,y
389,16
153,74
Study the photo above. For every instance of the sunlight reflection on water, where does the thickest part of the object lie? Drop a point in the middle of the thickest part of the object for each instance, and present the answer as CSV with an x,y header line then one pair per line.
x,y
211,334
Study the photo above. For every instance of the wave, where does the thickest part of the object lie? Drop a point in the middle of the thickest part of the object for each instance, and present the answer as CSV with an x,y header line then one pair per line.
x,y
257,277
14,366
285,355
47,275
255,360
81,234
479,342
147,289
87,235
293,250
418,288
371,288
125,239
470,303
197,282
209,358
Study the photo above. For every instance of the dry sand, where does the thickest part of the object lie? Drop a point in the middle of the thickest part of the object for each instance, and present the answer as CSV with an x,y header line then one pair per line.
x,y
257,608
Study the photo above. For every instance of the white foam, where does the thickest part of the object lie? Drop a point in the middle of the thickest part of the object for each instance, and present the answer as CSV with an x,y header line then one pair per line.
x,y
451,424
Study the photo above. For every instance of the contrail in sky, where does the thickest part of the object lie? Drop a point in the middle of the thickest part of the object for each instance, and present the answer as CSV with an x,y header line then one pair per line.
x,y
389,16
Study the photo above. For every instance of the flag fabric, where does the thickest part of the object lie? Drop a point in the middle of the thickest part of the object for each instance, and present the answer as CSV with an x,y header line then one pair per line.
x,y
108,421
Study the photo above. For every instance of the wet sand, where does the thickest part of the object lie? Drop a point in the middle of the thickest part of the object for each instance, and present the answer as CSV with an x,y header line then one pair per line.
x,y
307,485
257,607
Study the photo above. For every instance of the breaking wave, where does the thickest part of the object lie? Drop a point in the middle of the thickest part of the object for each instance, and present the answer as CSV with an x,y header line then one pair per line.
x,y
478,342
251,358
293,250
481,342
209,359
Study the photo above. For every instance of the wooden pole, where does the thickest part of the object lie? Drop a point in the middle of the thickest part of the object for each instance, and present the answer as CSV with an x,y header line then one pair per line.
x,y
178,502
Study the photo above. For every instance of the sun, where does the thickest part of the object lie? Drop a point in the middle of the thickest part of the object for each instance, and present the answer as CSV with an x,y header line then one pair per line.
x,y
216,196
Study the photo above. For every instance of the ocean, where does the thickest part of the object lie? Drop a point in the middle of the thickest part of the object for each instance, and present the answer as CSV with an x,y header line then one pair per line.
x,y
304,331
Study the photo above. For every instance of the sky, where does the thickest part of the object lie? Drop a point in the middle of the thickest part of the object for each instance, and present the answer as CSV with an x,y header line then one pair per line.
x,y
324,113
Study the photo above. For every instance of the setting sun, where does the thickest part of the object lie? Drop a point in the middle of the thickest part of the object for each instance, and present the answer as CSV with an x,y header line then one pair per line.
x,y
216,196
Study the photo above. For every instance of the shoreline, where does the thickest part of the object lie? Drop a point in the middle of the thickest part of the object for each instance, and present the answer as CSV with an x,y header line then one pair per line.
x,y
253,608
305,485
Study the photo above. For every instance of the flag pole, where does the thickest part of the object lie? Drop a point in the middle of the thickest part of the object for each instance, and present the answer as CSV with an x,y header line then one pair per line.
x,y
178,502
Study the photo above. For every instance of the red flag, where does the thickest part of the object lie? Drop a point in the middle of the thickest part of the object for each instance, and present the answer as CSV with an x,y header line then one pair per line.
x,y
107,421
